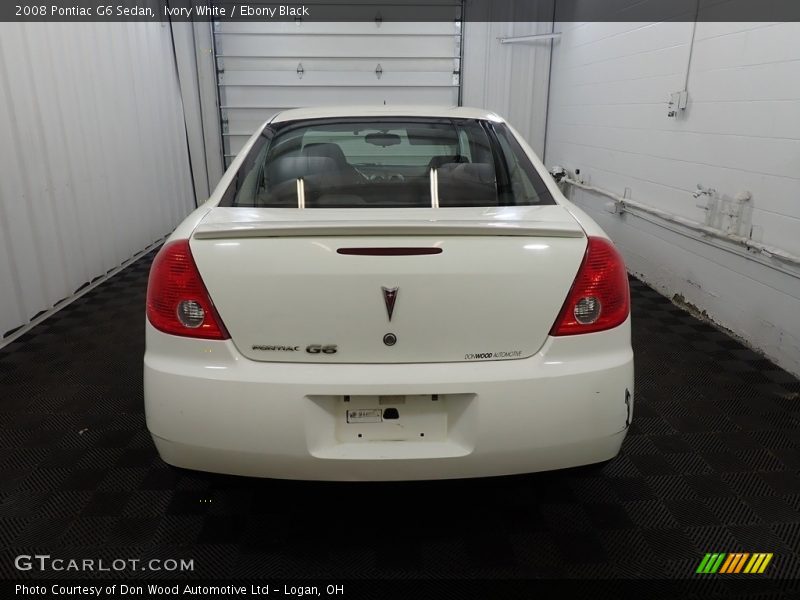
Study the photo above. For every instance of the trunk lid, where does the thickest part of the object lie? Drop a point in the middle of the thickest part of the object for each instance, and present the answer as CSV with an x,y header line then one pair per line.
x,y
329,285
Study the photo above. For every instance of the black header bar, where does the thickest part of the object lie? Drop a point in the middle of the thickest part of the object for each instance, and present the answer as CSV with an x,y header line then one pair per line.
x,y
382,11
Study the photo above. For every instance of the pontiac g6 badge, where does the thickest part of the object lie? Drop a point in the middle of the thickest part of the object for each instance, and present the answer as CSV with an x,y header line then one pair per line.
x,y
389,297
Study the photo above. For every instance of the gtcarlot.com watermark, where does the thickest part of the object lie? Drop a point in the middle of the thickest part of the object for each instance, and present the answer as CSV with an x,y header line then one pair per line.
x,y
46,562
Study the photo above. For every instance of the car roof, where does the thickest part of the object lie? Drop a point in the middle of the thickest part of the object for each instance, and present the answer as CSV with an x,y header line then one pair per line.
x,y
327,112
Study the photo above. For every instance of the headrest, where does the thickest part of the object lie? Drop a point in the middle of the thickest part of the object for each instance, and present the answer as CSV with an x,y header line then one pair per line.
x,y
437,161
325,150
287,168
466,172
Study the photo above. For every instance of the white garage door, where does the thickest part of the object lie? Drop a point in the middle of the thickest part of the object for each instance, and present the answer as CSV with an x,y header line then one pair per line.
x,y
267,67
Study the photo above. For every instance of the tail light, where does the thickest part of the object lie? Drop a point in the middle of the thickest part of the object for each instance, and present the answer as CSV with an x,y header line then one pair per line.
x,y
599,298
177,300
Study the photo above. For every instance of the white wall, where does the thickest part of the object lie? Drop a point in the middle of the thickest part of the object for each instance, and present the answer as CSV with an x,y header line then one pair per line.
x,y
93,160
610,83
509,79
194,53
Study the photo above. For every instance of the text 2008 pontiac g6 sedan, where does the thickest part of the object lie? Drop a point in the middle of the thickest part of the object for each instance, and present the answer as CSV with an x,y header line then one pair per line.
x,y
387,294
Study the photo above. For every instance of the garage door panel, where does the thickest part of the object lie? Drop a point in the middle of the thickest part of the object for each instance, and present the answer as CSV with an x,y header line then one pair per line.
x,y
266,67
321,45
386,78
441,26
313,64
323,96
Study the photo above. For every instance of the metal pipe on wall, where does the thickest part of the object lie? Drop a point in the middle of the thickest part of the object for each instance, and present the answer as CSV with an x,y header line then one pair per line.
x,y
628,205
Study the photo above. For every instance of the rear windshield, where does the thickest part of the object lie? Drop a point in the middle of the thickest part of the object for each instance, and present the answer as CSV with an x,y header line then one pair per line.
x,y
386,163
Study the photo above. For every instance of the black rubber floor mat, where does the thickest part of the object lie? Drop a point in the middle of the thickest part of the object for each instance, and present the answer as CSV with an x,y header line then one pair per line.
x,y
710,466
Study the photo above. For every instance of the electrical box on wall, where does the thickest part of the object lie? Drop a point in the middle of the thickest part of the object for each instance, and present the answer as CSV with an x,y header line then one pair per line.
x,y
677,101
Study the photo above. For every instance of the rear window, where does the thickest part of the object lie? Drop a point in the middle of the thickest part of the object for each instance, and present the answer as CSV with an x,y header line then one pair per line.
x,y
386,163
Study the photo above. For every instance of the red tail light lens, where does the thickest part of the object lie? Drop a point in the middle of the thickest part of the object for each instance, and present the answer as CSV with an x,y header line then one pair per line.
x,y
177,300
599,298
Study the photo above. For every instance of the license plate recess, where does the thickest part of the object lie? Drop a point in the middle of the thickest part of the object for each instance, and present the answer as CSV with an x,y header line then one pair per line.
x,y
420,418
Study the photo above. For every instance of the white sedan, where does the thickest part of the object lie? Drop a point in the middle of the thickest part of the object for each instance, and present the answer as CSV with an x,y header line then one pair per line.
x,y
387,293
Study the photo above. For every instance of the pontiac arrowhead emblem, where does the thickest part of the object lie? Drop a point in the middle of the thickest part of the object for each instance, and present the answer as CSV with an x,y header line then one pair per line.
x,y
389,297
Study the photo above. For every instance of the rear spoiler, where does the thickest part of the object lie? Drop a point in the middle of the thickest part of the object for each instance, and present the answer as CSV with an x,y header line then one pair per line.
x,y
559,229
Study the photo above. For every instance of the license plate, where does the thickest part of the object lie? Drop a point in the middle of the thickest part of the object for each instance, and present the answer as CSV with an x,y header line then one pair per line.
x,y
391,418
364,415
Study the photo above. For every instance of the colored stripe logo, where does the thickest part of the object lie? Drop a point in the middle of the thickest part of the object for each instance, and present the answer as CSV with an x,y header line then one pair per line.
x,y
736,562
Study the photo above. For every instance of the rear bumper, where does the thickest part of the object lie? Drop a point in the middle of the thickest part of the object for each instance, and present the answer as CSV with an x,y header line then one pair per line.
x,y
208,408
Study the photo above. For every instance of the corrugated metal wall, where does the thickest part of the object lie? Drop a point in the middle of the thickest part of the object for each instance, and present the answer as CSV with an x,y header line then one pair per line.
x,y
510,79
93,157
